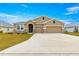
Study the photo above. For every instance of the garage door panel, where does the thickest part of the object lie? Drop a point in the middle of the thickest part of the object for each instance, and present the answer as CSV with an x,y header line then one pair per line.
x,y
54,29
38,30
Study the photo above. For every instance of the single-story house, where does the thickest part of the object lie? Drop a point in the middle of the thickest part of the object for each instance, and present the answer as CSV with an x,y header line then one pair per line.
x,y
72,27
41,24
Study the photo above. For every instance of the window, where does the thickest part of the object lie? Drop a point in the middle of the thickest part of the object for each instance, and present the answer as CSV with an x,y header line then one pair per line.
x,y
54,22
22,28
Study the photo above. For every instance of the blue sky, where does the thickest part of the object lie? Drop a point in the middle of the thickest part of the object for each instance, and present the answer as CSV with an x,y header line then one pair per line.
x,y
14,12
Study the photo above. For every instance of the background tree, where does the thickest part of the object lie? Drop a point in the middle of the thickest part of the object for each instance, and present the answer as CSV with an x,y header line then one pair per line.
x,y
76,29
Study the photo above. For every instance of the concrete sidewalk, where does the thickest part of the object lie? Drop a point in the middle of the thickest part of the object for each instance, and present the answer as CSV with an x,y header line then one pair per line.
x,y
47,43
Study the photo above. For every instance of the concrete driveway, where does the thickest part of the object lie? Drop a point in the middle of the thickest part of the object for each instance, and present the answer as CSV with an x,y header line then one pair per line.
x,y
47,43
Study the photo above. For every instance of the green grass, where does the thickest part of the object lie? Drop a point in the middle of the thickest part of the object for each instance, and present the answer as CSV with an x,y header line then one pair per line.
x,y
72,33
8,40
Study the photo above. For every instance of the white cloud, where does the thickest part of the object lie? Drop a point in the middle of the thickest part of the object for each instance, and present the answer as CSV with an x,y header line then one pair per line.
x,y
8,18
72,10
66,21
6,15
12,18
25,6
16,18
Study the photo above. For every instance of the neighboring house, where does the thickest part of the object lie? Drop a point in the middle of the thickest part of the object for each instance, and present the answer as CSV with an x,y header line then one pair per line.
x,y
5,27
44,24
19,27
1,29
72,27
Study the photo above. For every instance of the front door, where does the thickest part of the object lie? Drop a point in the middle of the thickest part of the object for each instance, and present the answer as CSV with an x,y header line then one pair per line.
x,y
30,28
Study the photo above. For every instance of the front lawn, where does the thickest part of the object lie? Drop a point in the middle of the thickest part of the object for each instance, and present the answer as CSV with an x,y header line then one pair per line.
x,y
72,33
8,40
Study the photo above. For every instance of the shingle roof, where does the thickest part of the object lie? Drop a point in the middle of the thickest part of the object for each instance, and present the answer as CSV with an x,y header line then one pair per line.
x,y
20,23
42,22
38,22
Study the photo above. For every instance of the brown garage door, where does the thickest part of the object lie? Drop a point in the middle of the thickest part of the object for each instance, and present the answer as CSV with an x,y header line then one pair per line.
x,y
53,29
39,30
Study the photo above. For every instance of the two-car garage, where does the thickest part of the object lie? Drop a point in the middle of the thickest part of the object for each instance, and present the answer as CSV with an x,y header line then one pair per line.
x,y
49,29
54,29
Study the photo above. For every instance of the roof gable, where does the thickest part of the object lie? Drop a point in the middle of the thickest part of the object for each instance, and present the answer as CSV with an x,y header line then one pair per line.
x,y
54,22
44,20
41,19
